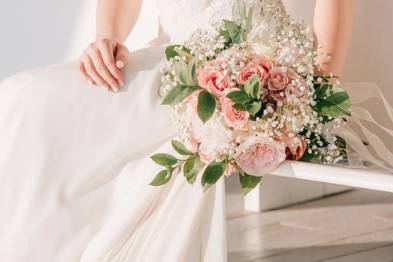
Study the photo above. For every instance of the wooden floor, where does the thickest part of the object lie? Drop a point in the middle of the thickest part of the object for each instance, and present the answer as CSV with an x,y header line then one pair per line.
x,y
350,227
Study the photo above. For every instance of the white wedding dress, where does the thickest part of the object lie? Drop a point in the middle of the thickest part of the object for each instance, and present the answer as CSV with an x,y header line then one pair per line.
x,y
75,167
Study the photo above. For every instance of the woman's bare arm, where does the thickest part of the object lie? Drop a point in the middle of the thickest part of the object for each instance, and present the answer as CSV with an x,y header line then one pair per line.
x,y
102,61
333,29
116,18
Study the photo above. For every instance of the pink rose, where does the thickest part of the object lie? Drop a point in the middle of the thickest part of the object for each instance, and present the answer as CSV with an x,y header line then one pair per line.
x,y
251,70
295,146
233,117
213,79
278,79
264,62
260,155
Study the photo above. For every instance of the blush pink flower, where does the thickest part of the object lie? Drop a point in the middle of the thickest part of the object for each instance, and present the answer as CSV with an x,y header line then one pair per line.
x,y
252,69
233,117
258,156
213,79
278,79
263,61
295,146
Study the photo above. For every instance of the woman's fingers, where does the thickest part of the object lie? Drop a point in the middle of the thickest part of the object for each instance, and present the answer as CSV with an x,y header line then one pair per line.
x,y
107,48
102,63
92,73
100,67
121,56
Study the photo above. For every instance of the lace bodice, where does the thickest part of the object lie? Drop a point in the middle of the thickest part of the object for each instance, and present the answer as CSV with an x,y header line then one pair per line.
x,y
179,18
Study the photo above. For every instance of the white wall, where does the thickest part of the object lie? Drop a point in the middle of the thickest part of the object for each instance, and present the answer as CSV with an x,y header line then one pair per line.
x,y
41,32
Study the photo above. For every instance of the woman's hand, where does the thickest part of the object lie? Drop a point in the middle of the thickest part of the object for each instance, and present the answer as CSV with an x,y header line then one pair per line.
x,y
102,63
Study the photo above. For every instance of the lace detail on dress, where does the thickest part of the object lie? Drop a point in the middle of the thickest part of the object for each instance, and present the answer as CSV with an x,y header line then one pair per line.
x,y
179,18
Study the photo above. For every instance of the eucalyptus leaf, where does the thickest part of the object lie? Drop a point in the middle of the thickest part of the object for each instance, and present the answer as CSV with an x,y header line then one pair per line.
x,y
181,148
164,159
178,94
248,182
161,178
206,106
212,174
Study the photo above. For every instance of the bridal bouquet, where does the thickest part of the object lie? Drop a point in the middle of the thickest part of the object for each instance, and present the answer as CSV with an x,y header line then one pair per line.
x,y
245,99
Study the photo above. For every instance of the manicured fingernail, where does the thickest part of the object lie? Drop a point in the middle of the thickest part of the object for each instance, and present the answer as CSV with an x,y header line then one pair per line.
x,y
90,82
121,82
120,64
115,89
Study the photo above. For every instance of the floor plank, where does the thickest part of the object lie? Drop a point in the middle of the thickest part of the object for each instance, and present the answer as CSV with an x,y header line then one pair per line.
x,y
355,224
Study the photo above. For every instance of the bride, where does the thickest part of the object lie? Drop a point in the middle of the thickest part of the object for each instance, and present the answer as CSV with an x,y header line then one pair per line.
x,y
74,155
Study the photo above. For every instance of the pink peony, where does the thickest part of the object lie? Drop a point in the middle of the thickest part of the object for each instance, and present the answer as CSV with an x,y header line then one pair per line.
x,y
213,79
233,118
258,156
278,79
251,70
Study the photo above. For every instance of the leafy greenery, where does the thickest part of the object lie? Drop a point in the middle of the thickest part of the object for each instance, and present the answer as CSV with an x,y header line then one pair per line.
x,y
176,50
187,73
178,94
180,148
213,173
249,97
164,159
231,32
331,101
248,182
162,178
206,106
192,167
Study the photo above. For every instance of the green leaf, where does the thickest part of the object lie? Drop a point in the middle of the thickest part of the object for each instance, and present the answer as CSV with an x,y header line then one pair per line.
x,y
212,174
248,182
162,178
253,87
178,94
164,159
231,33
192,167
238,97
332,101
180,148
326,107
206,106
171,52
254,108
240,107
